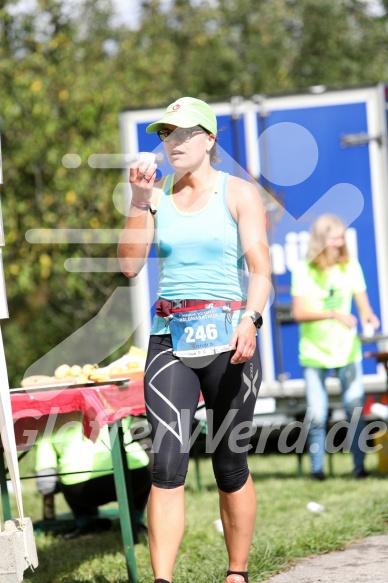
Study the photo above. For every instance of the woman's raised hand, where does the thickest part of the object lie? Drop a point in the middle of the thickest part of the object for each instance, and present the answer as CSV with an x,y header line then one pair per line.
x,y
142,177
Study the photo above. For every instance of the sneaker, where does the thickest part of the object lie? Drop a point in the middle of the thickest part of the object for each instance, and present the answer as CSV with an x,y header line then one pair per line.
x,y
318,476
361,474
380,411
94,527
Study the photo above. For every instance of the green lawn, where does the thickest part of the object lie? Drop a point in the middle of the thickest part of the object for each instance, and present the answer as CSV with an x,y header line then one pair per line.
x,y
285,530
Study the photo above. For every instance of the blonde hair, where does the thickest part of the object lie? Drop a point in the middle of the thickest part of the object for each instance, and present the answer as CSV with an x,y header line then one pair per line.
x,y
213,152
317,252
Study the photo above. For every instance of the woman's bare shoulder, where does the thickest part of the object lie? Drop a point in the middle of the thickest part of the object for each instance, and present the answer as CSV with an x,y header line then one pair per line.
x,y
239,188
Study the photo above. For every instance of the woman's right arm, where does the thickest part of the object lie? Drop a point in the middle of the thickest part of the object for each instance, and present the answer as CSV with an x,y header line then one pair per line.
x,y
136,239
301,310
302,314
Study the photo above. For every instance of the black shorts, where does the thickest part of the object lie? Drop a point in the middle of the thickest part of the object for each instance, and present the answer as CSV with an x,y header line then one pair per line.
x,y
172,391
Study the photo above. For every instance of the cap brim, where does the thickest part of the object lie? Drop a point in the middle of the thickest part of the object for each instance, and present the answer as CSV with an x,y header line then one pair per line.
x,y
174,120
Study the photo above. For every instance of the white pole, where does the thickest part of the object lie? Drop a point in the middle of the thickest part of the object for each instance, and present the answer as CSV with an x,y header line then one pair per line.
x,y
6,421
7,431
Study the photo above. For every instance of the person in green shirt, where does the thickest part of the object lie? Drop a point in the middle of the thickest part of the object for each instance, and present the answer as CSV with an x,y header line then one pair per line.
x,y
81,469
323,287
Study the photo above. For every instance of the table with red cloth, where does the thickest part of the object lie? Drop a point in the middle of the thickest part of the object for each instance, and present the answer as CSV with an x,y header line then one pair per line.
x,y
38,411
100,405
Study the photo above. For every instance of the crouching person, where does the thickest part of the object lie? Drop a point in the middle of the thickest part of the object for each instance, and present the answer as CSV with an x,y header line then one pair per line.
x,y
81,469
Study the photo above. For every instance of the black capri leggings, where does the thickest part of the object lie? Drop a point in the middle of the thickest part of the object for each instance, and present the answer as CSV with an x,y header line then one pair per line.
x,y
172,390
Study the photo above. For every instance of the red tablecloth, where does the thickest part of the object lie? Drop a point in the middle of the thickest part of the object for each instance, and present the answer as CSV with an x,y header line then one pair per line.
x,y
36,412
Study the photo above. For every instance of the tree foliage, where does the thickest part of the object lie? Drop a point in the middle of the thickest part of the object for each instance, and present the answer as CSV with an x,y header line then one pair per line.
x,y
57,98
66,71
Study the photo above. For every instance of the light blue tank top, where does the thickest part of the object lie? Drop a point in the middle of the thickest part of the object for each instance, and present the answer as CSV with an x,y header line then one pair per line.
x,y
199,253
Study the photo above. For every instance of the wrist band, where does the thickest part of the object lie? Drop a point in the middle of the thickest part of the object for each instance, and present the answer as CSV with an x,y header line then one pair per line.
x,y
144,206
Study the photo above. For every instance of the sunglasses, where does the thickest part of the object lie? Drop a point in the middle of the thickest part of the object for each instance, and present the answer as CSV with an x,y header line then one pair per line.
x,y
180,134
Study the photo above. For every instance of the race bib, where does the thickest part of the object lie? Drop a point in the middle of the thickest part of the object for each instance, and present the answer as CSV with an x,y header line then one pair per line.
x,y
200,332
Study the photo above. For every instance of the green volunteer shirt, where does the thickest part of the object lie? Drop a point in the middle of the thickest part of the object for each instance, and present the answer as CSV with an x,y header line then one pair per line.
x,y
328,343
69,451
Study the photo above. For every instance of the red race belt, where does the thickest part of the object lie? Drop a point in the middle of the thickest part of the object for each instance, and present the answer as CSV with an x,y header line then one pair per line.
x,y
165,308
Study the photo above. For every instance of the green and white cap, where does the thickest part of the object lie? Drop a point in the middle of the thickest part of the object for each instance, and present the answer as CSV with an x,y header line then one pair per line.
x,y
187,112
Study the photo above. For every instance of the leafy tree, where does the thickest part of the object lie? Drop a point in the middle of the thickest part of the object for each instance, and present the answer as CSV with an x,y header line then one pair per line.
x,y
244,47
340,43
58,97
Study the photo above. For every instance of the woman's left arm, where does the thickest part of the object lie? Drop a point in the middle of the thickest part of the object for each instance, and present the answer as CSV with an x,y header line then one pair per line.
x,y
247,209
365,311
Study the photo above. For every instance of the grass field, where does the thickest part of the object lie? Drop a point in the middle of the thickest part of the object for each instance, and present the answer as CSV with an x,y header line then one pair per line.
x,y
285,529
